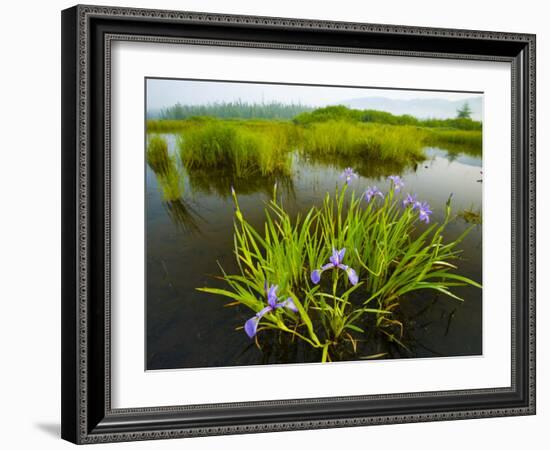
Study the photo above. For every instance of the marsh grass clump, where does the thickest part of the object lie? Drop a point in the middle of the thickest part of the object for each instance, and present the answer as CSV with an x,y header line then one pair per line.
x,y
326,276
157,156
465,141
242,149
261,147
373,141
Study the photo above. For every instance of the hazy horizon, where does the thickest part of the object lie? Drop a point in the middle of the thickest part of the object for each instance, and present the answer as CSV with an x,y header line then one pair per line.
x,y
164,93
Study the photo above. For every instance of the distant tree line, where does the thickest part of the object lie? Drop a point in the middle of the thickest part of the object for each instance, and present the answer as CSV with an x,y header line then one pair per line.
x,y
304,115
237,110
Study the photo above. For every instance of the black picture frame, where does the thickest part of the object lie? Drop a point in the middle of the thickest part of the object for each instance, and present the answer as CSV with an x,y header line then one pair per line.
x,y
87,415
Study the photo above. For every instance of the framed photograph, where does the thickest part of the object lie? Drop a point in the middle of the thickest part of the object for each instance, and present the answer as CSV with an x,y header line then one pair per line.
x,y
280,224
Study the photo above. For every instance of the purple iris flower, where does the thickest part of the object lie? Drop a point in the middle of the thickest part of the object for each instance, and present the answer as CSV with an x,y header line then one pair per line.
x,y
424,211
251,325
335,263
371,192
410,200
397,182
348,174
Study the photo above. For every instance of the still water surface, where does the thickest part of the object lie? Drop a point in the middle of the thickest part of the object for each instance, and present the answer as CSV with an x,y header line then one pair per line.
x,y
187,239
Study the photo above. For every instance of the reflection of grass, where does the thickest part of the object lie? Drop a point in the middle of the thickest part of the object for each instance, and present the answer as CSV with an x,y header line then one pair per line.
x,y
471,216
366,167
165,167
157,154
335,309
171,182
245,151
373,141
183,215
219,181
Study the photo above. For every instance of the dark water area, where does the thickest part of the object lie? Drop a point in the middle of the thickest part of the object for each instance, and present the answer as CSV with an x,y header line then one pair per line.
x,y
190,238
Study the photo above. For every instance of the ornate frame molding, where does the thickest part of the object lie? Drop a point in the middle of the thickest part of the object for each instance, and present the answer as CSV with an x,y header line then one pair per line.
x,y
80,418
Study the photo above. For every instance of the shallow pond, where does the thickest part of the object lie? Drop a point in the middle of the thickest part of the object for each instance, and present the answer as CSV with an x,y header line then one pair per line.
x,y
188,238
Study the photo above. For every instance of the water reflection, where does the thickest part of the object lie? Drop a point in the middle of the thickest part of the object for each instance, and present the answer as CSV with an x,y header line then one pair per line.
x,y
183,215
220,181
366,167
170,178
196,225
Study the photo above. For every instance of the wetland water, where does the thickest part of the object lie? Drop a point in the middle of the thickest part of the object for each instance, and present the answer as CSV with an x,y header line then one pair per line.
x,y
188,238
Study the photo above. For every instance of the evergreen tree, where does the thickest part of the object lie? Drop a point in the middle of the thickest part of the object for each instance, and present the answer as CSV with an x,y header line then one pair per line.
x,y
464,112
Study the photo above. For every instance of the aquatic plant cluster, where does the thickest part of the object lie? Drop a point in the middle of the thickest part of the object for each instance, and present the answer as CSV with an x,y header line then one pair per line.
x,y
265,147
342,267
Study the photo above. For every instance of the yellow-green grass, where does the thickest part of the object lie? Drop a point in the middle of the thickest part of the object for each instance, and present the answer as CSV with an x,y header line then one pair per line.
x,y
364,140
247,150
171,126
467,141
264,147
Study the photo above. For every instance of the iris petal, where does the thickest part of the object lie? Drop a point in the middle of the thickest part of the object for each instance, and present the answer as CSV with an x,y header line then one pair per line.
x,y
316,276
288,303
272,296
341,254
352,275
251,326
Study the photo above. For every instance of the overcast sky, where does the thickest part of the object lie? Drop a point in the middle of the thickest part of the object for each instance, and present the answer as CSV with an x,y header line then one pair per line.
x,y
164,93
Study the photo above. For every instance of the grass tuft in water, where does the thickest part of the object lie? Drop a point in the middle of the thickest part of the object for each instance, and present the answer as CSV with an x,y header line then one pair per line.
x,y
374,141
383,253
244,150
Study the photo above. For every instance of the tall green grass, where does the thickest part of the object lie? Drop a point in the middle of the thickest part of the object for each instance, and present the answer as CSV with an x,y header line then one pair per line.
x,y
379,142
392,253
459,140
245,150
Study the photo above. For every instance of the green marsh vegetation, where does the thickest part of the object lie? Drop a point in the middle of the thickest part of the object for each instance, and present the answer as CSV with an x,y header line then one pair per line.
x,y
244,150
171,182
382,249
330,276
401,144
264,147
